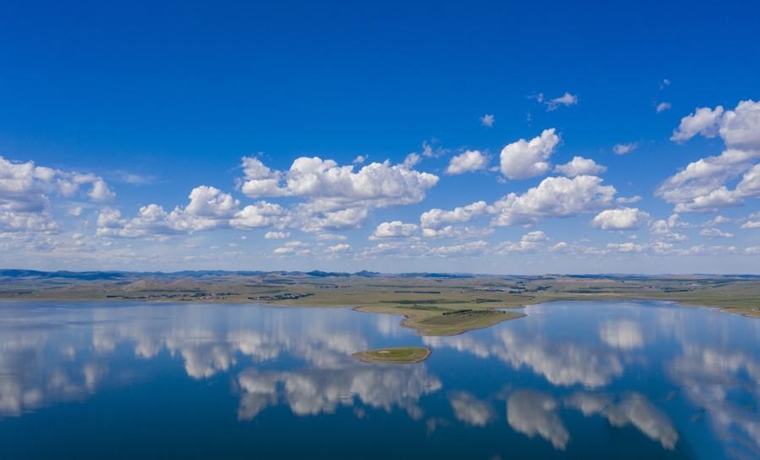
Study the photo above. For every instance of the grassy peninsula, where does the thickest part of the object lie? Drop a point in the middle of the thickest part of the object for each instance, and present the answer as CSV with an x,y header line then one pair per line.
x,y
402,355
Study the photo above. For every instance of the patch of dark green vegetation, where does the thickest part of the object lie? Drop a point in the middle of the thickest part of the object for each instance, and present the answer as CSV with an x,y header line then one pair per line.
x,y
457,312
286,296
420,301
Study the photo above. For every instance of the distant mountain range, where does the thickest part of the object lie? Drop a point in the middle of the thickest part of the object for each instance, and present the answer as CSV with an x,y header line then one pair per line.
x,y
120,275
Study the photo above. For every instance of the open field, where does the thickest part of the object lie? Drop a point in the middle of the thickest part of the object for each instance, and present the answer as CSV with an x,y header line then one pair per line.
x,y
403,355
431,304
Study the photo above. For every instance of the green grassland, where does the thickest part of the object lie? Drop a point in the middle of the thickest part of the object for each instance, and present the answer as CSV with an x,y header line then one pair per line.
x,y
430,305
402,355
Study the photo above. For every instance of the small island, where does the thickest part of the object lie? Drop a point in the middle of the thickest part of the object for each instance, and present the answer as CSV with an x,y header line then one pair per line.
x,y
402,355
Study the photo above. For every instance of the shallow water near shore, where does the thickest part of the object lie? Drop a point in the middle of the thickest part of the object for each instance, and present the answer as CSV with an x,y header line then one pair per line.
x,y
572,380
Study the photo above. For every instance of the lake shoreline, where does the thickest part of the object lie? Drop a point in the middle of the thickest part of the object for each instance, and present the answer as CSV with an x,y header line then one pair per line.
x,y
456,324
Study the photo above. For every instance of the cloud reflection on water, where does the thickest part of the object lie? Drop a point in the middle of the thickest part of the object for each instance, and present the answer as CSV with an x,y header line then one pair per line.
x,y
208,340
318,391
471,410
712,380
533,413
561,363
301,359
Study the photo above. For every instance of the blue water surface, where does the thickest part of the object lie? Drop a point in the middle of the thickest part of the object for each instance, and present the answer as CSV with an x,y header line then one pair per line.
x,y
572,380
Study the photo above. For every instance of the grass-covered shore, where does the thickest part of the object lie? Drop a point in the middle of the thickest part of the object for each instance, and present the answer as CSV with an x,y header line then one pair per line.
x,y
432,305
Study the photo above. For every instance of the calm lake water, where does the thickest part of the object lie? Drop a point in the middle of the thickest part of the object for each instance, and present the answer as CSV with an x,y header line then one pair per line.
x,y
572,380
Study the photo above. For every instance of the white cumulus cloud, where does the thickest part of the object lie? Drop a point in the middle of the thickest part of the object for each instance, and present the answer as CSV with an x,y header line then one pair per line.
x,y
26,191
437,218
337,196
620,219
703,121
554,197
703,185
471,160
580,166
395,229
525,159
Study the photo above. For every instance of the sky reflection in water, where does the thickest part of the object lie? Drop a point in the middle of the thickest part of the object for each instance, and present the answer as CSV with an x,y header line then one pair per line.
x,y
569,381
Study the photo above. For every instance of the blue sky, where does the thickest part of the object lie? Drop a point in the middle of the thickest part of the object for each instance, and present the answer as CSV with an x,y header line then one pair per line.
x,y
530,137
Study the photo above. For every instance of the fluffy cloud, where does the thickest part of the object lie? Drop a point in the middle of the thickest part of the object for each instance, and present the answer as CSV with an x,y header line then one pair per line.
x,y
330,237
554,197
395,229
261,215
337,197
714,233
703,121
210,202
339,248
11,221
565,100
259,180
752,221
487,120
309,218
703,185
620,219
627,247
297,248
663,106
150,221
629,200
701,250
276,235
331,187
100,190
664,229
700,187
26,189
209,208
525,159
580,166
458,232
457,250
750,183
717,220
530,242
437,218
623,149
471,160
739,127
